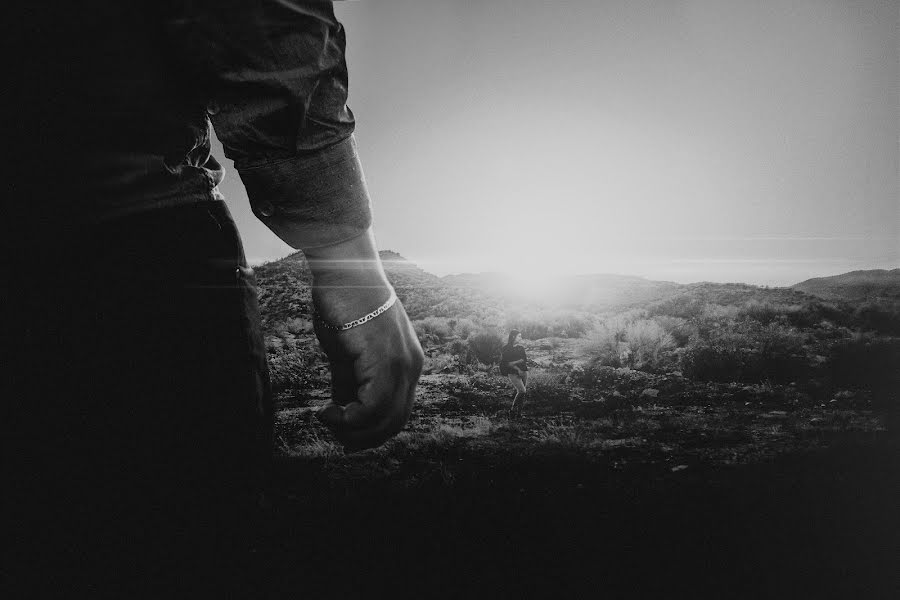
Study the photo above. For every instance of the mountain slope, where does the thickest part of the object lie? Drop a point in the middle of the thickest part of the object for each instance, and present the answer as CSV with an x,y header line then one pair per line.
x,y
284,290
855,286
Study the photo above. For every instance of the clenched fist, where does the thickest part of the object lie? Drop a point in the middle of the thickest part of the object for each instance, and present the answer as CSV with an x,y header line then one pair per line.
x,y
374,366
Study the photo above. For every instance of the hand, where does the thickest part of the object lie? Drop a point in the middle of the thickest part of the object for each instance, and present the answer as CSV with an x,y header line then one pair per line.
x,y
374,366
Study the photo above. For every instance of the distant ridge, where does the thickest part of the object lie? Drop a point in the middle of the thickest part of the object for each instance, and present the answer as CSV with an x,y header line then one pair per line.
x,y
284,290
402,272
855,286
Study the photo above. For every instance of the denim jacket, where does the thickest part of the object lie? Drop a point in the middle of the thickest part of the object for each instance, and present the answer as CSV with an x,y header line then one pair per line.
x,y
113,103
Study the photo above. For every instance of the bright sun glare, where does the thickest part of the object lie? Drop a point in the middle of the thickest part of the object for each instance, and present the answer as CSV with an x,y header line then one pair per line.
x,y
534,281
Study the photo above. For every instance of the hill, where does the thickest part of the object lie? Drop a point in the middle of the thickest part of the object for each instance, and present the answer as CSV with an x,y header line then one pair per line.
x,y
856,286
493,298
284,295
284,290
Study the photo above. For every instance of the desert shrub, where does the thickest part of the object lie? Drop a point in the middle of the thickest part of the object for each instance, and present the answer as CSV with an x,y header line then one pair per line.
x,y
460,349
763,312
805,315
720,313
683,306
596,376
570,325
647,341
724,359
748,353
531,328
715,319
781,354
463,327
486,345
425,338
638,343
433,330
604,345
878,317
441,363
540,325
681,330
434,327
810,314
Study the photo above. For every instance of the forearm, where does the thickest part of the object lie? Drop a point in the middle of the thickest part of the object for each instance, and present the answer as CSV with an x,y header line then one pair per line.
x,y
374,367
348,278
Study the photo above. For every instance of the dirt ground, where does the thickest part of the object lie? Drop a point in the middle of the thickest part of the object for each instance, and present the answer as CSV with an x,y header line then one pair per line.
x,y
754,454
716,499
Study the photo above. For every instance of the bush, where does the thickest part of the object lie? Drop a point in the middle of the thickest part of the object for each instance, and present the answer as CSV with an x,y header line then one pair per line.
x,y
683,306
486,345
441,363
748,353
460,349
463,327
530,328
432,329
722,360
876,317
571,325
806,315
782,355
639,343
647,341
762,312
550,324
603,345
596,376
681,330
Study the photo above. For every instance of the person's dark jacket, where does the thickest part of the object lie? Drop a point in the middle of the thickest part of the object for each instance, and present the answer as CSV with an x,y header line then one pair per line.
x,y
511,354
118,122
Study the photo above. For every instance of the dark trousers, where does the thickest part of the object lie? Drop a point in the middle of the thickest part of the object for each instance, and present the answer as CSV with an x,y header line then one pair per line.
x,y
139,412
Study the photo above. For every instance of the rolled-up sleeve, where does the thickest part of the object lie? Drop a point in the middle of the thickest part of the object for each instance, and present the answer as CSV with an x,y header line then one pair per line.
x,y
275,76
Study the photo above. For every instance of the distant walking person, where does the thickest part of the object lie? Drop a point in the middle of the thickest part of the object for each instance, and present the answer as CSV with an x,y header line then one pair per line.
x,y
513,364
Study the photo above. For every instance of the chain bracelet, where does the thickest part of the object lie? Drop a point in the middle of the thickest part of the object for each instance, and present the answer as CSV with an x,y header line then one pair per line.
x,y
364,319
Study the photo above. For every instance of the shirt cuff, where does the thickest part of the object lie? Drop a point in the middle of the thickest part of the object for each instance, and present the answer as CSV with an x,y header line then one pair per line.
x,y
310,200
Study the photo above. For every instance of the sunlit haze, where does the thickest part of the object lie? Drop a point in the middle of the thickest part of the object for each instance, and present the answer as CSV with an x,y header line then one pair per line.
x,y
676,140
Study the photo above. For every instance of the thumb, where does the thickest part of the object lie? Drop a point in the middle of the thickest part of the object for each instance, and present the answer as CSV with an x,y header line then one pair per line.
x,y
355,415
331,415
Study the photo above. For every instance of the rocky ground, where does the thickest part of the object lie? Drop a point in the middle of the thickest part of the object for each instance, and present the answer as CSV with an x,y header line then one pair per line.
x,y
655,486
771,470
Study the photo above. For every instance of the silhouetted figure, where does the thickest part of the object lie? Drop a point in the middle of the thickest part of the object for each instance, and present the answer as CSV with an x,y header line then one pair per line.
x,y
513,364
139,408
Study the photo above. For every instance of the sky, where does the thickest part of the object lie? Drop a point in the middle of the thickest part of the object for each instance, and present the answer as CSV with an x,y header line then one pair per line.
x,y
682,140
